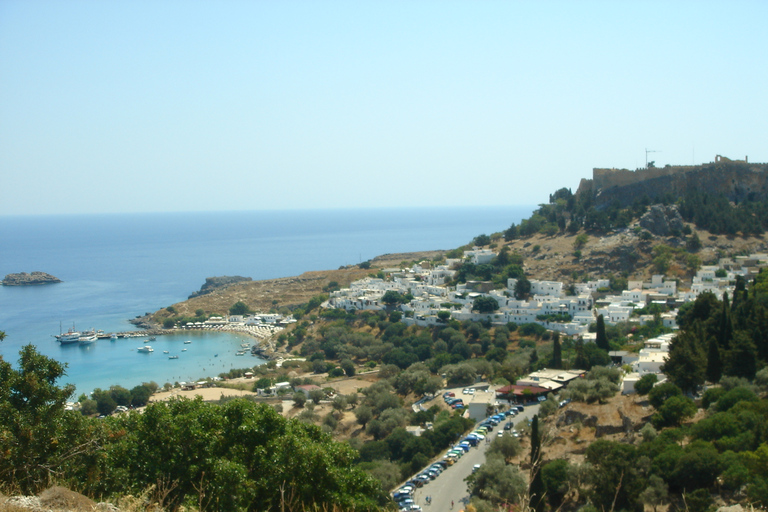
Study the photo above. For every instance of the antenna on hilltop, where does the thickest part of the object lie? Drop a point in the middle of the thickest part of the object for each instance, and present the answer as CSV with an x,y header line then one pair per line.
x,y
646,155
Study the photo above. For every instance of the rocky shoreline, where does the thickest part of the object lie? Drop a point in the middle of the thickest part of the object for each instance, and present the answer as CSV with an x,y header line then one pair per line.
x,y
24,279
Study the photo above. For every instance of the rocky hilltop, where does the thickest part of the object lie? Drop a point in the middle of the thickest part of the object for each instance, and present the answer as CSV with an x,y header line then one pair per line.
x,y
737,180
213,283
24,279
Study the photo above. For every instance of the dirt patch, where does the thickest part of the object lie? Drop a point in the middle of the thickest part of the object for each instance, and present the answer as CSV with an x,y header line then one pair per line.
x,y
553,257
573,428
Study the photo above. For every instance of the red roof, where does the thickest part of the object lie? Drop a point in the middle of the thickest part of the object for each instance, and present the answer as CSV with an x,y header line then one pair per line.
x,y
514,389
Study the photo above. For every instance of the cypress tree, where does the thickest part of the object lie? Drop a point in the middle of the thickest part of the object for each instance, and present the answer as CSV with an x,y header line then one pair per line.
x,y
557,352
535,441
581,362
536,491
601,340
714,363
741,359
725,332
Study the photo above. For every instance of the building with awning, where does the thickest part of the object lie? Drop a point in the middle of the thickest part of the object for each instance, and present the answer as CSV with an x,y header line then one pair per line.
x,y
521,394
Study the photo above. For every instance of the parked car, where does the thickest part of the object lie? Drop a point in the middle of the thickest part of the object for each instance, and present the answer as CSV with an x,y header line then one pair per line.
x,y
508,425
448,394
475,467
520,408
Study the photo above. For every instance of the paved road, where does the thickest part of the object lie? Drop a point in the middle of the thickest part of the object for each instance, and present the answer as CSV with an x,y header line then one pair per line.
x,y
450,485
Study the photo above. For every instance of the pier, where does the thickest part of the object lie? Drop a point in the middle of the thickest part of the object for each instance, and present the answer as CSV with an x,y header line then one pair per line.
x,y
137,334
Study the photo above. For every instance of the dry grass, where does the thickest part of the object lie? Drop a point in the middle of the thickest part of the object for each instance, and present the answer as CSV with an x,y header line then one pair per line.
x,y
60,498
6,506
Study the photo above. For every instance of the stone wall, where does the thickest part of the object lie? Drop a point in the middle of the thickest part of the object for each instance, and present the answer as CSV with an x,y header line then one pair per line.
x,y
737,180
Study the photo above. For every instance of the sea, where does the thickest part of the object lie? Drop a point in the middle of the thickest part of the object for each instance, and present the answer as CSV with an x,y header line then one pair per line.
x,y
115,267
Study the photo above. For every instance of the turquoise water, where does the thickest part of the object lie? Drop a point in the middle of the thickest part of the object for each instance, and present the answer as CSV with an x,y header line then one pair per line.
x,y
116,267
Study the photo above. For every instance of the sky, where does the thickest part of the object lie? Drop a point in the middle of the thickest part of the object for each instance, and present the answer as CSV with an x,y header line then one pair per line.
x,y
154,106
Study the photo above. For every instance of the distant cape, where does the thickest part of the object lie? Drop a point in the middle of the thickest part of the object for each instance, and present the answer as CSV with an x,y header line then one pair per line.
x,y
24,279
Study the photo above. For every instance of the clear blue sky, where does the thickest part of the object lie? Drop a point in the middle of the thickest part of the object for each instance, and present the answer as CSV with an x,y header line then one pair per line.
x,y
123,106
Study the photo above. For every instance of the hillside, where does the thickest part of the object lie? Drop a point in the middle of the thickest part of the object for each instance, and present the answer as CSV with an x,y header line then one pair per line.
x,y
624,253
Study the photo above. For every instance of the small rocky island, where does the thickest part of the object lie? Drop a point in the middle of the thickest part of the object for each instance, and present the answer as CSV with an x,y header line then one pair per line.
x,y
24,279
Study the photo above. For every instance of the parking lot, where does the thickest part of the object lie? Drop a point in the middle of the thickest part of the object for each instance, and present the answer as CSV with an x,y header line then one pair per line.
x,y
445,488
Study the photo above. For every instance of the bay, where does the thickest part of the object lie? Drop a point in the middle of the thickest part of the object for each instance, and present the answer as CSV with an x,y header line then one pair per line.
x,y
118,266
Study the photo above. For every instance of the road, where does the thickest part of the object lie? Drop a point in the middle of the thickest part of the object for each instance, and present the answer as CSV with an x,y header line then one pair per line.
x,y
450,486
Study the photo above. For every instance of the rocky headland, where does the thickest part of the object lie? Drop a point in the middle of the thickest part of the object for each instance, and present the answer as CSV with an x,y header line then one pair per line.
x,y
24,279
213,283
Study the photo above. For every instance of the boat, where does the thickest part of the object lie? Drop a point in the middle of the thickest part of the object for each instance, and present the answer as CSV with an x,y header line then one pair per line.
x,y
152,338
146,349
87,339
240,353
113,337
71,336
183,350
165,351
245,345
173,357
188,342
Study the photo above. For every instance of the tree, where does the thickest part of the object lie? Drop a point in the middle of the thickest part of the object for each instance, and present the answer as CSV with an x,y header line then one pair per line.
x,y
364,414
537,490
659,394
645,384
686,364
244,455
34,427
714,363
316,395
498,482
140,395
485,304
656,493
601,340
348,366
105,404
392,298
299,399
481,240
522,288
557,352
506,446
239,308
616,476
741,361
555,477
673,411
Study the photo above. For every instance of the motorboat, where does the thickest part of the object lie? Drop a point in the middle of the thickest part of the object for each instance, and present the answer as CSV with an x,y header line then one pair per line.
x,y
173,357
87,339
146,349
188,342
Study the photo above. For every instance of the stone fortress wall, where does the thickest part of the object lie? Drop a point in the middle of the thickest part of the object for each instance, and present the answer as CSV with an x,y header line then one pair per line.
x,y
661,178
